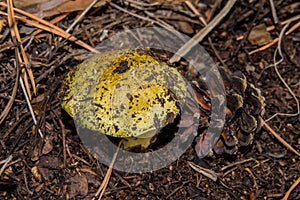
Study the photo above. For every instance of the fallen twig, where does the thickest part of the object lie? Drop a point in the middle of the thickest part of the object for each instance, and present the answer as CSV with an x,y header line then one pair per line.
x,y
274,13
5,163
154,21
287,194
30,107
8,106
81,16
201,34
281,140
280,77
105,181
21,55
237,163
206,172
43,24
247,169
64,133
201,19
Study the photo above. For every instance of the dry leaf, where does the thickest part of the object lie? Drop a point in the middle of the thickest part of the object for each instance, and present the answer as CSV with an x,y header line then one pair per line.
x,y
78,186
48,146
47,8
259,35
185,27
48,166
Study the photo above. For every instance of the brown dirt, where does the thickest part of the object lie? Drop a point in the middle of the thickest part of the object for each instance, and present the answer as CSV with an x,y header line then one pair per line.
x,y
38,170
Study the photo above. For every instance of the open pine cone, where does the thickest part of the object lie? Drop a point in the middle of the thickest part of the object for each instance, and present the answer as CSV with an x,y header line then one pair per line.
x,y
244,110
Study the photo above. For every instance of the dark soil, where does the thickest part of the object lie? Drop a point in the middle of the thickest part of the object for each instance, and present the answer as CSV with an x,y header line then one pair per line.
x,y
39,170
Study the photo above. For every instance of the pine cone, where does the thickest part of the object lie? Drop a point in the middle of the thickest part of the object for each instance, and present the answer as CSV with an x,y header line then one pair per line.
x,y
244,110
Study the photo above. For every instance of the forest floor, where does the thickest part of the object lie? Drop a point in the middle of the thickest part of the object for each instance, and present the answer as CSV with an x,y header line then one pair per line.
x,y
60,167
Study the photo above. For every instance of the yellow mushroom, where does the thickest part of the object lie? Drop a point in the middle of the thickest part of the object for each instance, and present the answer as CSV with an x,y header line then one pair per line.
x,y
125,94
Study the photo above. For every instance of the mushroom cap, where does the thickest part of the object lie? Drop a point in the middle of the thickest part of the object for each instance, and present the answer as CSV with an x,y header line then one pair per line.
x,y
124,94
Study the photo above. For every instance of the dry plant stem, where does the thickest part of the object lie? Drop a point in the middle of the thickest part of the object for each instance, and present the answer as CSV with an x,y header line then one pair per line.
x,y
30,37
67,150
30,107
63,131
81,16
175,190
50,28
23,57
282,141
264,47
157,21
280,77
274,14
8,106
60,32
5,163
287,194
143,4
53,21
131,13
237,163
201,19
195,11
20,59
253,177
206,172
105,181
294,27
201,34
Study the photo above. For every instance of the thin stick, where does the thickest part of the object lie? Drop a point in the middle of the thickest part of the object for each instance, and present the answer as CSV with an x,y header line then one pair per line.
x,y
201,34
105,181
274,14
50,28
81,16
30,107
53,21
238,163
8,106
196,12
294,27
5,163
281,140
287,194
23,57
64,133
264,47
280,77
143,4
160,23
247,169
202,20
206,172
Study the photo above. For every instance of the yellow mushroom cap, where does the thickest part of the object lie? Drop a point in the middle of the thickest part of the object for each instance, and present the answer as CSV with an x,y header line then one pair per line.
x,y
124,93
